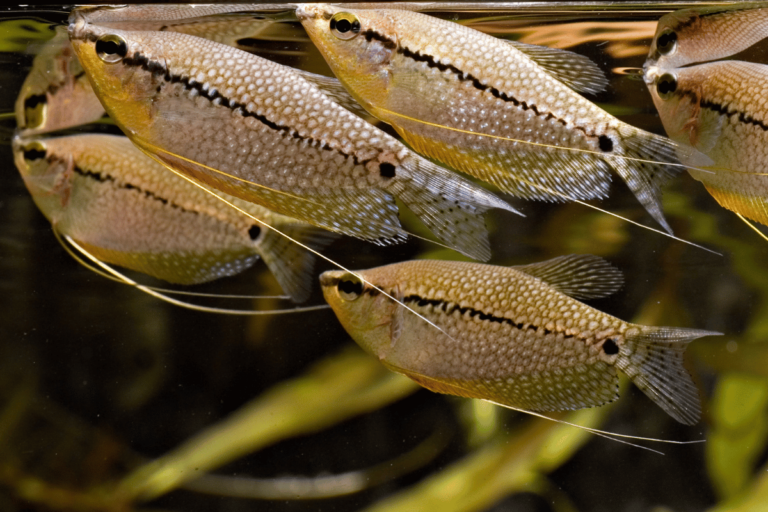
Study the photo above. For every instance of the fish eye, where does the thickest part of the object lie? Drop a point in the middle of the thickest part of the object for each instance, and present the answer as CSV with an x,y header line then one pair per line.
x,y
345,25
350,287
667,41
35,111
34,151
666,85
111,48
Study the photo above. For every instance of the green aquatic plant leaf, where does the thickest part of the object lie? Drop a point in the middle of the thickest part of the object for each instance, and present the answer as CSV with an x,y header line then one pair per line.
x,y
733,356
515,462
342,386
17,35
754,499
739,432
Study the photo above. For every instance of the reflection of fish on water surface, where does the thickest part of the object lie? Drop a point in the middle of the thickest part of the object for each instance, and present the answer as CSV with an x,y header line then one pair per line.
x,y
56,93
707,33
237,25
127,209
719,109
513,335
269,134
502,111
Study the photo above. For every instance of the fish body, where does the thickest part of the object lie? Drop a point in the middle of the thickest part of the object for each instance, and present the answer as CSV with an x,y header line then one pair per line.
x,y
498,110
56,93
129,210
706,34
517,336
270,135
719,109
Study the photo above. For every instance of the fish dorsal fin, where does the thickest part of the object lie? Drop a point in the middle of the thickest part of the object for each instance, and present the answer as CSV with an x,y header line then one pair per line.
x,y
581,276
333,88
574,70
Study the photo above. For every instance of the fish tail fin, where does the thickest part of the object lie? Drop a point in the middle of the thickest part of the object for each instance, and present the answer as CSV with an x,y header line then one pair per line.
x,y
290,263
653,359
650,162
450,206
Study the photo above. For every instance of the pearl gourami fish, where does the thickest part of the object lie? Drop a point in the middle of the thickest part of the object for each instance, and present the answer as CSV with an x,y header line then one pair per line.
x,y
706,34
270,135
502,111
129,210
719,109
516,336
56,94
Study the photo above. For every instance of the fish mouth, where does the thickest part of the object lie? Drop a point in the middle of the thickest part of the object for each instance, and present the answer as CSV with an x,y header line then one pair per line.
x,y
650,74
306,12
77,24
330,278
312,12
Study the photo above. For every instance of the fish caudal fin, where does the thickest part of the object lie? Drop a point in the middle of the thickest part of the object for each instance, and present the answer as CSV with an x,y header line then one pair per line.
x,y
646,168
450,206
653,359
290,263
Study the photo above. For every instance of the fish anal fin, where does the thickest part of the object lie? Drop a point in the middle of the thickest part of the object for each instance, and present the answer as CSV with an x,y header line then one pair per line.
x,y
752,204
535,173
652,358
558,389
184,268
575,70
653,160
581,276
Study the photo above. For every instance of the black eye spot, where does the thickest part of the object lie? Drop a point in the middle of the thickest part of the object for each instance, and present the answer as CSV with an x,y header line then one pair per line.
x,y
345,25
387,170
606,144
349,287
610,347
254,232
35,100
33,154
112,48
666,41
666,85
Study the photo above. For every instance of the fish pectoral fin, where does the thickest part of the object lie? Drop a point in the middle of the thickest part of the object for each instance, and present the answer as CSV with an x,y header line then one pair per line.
x,y
396,324
290,263
706,132
333,88
575,70
581,276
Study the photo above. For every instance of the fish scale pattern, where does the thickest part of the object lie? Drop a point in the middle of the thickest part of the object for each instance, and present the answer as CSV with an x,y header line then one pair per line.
x,y
264,133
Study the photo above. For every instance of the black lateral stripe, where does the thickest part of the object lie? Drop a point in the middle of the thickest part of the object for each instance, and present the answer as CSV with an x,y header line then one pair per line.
x,y
159,70
725,111
450,308
463,76
694,18
104,178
